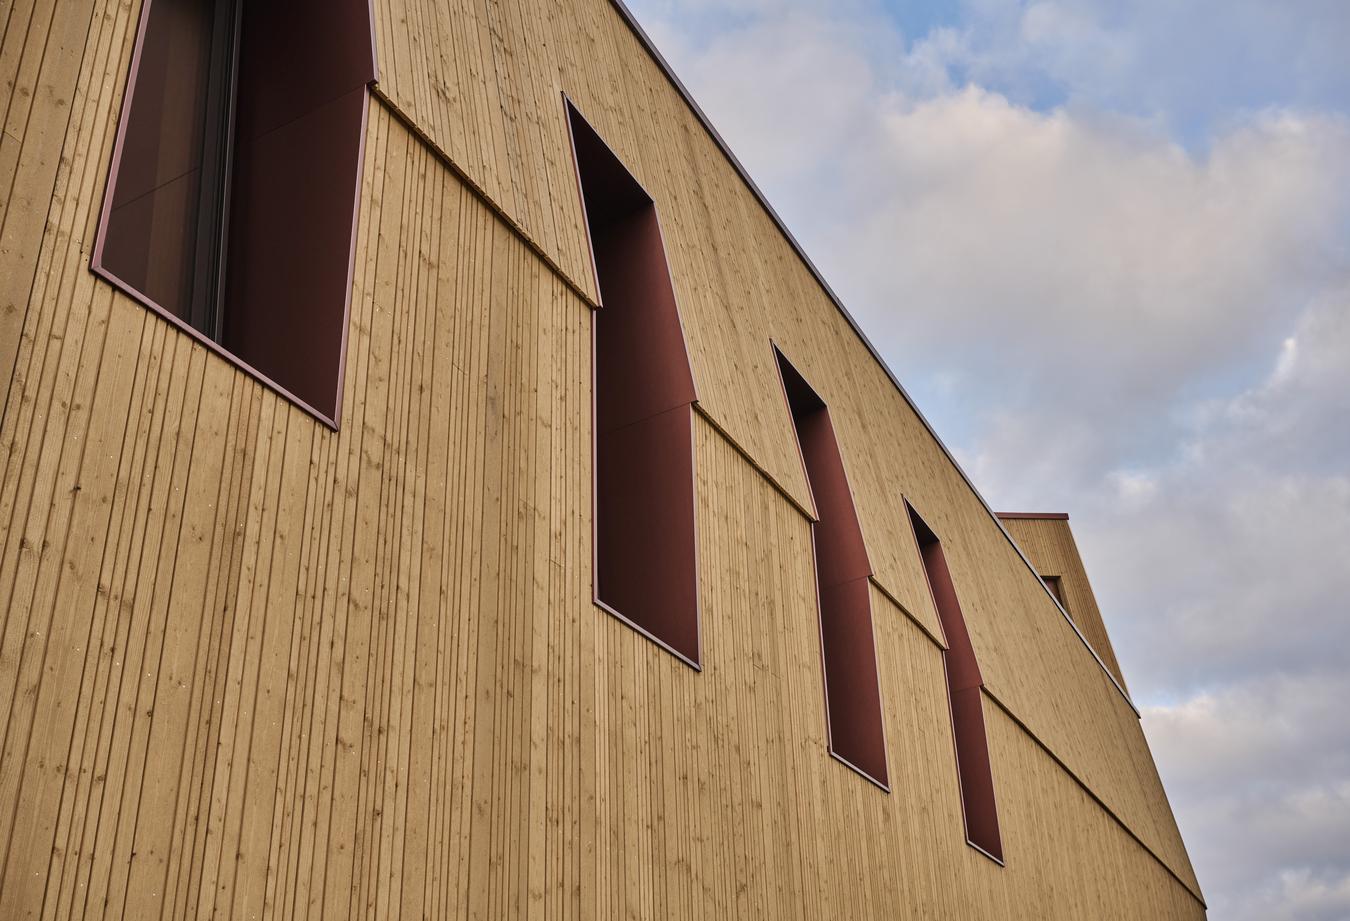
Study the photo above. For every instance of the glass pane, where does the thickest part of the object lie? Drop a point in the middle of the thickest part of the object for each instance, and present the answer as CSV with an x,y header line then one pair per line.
x,y
151,238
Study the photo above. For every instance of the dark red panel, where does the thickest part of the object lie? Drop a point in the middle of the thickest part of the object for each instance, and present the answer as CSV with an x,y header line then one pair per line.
x,y
645,542
841,554
962,669
290,242
848,647
645,520
964,690
641,364
303,68
298,56
977,777
852,688
1056,588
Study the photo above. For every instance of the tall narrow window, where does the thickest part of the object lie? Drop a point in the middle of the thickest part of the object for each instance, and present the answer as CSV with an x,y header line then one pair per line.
x,y
645,557
848,648
232,198
964,686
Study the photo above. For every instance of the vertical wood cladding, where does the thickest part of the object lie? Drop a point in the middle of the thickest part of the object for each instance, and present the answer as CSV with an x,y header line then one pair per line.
x,y
1050,546
251,667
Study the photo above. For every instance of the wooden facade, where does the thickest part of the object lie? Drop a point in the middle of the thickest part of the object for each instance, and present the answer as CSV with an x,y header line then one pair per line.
x,y
252,666
1049,546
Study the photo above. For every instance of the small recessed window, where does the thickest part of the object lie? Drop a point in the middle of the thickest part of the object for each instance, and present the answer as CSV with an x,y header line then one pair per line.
x,y
1056,588
645,555
964,690
848,648
231,203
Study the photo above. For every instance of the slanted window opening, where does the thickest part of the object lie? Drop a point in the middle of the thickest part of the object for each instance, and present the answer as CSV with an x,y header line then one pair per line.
x,y
855,722
646,560
1056,586
965,697
234,188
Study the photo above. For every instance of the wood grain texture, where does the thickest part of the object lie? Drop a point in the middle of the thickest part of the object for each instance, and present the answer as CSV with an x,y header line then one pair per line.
x,y
1050,546
252,667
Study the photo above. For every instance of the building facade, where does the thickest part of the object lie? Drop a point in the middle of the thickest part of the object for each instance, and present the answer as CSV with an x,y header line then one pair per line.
x,y
433,483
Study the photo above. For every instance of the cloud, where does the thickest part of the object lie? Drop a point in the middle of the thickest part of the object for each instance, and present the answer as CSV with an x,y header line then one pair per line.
x,y
1238,555
1150,267
1260,777
1107,247
1191,66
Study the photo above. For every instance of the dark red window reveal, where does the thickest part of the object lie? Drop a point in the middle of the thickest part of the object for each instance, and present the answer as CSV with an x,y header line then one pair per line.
x,y
1056,588
645,559
964,685
848,648
232,199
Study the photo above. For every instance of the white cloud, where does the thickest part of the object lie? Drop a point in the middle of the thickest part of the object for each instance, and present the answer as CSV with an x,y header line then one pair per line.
x,y
1087,250
1240,559
1260,778
1189,66
1134,490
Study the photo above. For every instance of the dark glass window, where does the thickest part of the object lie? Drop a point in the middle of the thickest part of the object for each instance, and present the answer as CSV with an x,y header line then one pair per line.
x,y
1056,586
645,553
964,689
848,648
232,199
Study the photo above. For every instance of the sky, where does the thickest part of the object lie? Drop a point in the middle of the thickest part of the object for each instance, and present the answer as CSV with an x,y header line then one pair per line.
x,y
1105,244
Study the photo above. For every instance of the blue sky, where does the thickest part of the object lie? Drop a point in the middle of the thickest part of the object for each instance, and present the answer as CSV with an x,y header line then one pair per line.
x,y
1106,246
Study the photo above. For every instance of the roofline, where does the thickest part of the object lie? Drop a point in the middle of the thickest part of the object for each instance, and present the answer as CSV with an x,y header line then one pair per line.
x,y
645,40
1033,516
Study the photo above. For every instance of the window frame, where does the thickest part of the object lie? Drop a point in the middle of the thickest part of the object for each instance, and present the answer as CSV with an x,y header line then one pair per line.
x,y
570,112
958,654
220,226
862,560
1056,586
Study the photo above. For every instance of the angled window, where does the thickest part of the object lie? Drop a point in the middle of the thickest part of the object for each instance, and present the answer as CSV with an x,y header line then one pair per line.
x,y
231,204
848,648
1057,589
645,558
964,685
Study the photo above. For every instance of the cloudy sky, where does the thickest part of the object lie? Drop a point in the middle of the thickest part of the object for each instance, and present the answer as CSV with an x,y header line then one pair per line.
x,y
1106,246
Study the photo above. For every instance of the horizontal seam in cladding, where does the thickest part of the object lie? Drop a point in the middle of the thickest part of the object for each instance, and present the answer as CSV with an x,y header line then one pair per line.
x,y
499,212
1193,893
755,465
923,628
